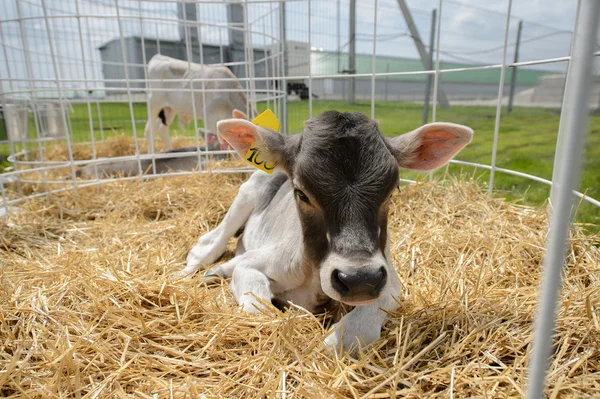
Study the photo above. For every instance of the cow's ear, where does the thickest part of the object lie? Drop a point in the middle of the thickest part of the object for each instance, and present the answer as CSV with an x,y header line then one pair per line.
x,y
242,135
430,146
237,114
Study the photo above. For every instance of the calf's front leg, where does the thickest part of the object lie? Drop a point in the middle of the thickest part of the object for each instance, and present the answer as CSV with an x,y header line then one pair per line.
x,y
249,280
249,286
363,324
213,244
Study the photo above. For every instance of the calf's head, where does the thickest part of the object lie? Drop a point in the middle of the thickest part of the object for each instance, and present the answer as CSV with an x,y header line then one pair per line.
x,y
344,172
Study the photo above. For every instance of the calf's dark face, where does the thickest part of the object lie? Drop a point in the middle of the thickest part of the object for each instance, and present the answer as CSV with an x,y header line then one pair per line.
x,y
344,172
343,176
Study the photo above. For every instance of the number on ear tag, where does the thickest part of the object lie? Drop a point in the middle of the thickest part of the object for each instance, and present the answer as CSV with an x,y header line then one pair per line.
x,y
253,157
268,120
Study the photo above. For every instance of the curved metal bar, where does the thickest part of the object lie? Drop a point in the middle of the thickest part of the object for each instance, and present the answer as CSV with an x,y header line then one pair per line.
x,y
526,176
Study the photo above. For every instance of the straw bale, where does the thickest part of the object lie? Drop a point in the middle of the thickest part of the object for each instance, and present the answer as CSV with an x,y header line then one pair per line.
x,y
89,308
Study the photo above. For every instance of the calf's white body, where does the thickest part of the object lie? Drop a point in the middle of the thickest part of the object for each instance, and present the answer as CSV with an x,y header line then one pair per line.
x,y
315,232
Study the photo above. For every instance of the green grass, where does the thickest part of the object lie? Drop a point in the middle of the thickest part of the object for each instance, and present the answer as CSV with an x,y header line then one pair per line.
x,y
526,140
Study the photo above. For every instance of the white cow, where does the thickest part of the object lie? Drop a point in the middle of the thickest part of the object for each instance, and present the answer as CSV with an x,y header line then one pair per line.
x,y
315,232
164,105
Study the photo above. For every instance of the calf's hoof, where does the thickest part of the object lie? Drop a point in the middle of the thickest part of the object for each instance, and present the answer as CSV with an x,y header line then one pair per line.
x,y
213,275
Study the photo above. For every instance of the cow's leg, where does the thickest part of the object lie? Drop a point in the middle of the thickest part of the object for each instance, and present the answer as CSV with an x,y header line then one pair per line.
x,y
166,117
153,123
249,281
364,323
212,245
249,286
163,131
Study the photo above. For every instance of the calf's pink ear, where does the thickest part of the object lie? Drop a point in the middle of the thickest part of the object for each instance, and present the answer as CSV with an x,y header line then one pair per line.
x,y
239,133
237,114
430,146
242,134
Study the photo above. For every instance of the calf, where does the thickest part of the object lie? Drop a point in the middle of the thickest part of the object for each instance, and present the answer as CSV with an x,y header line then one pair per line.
x,y
222,96
316,230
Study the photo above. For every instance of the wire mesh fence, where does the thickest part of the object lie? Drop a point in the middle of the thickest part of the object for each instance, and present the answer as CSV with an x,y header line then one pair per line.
x,y
76,87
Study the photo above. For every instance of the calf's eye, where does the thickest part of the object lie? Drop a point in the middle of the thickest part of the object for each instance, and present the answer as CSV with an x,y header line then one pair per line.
x,y
301,196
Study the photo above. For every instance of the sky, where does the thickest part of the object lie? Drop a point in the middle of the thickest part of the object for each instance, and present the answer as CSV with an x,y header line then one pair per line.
x,y
472,31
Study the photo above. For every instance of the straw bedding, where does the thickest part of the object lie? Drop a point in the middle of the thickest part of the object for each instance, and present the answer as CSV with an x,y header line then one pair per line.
x,y
114,146
88,307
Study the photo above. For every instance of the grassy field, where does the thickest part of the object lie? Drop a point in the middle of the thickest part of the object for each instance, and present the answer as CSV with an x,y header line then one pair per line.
x,y
526,144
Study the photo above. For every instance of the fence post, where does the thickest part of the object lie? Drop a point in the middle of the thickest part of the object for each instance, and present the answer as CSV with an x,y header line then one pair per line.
x,y
564,112
339,36
387,81
577,99
284,67
352,52
513,78
429,77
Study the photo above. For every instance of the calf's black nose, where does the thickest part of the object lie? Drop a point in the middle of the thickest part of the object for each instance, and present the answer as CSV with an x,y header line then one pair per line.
x,y
357,285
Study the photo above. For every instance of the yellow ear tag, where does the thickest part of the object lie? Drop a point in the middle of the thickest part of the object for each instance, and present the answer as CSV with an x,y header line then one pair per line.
x,y
268,120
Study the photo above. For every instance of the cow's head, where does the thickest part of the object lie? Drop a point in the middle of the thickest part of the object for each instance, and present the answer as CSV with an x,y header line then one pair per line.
x,y
344,172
